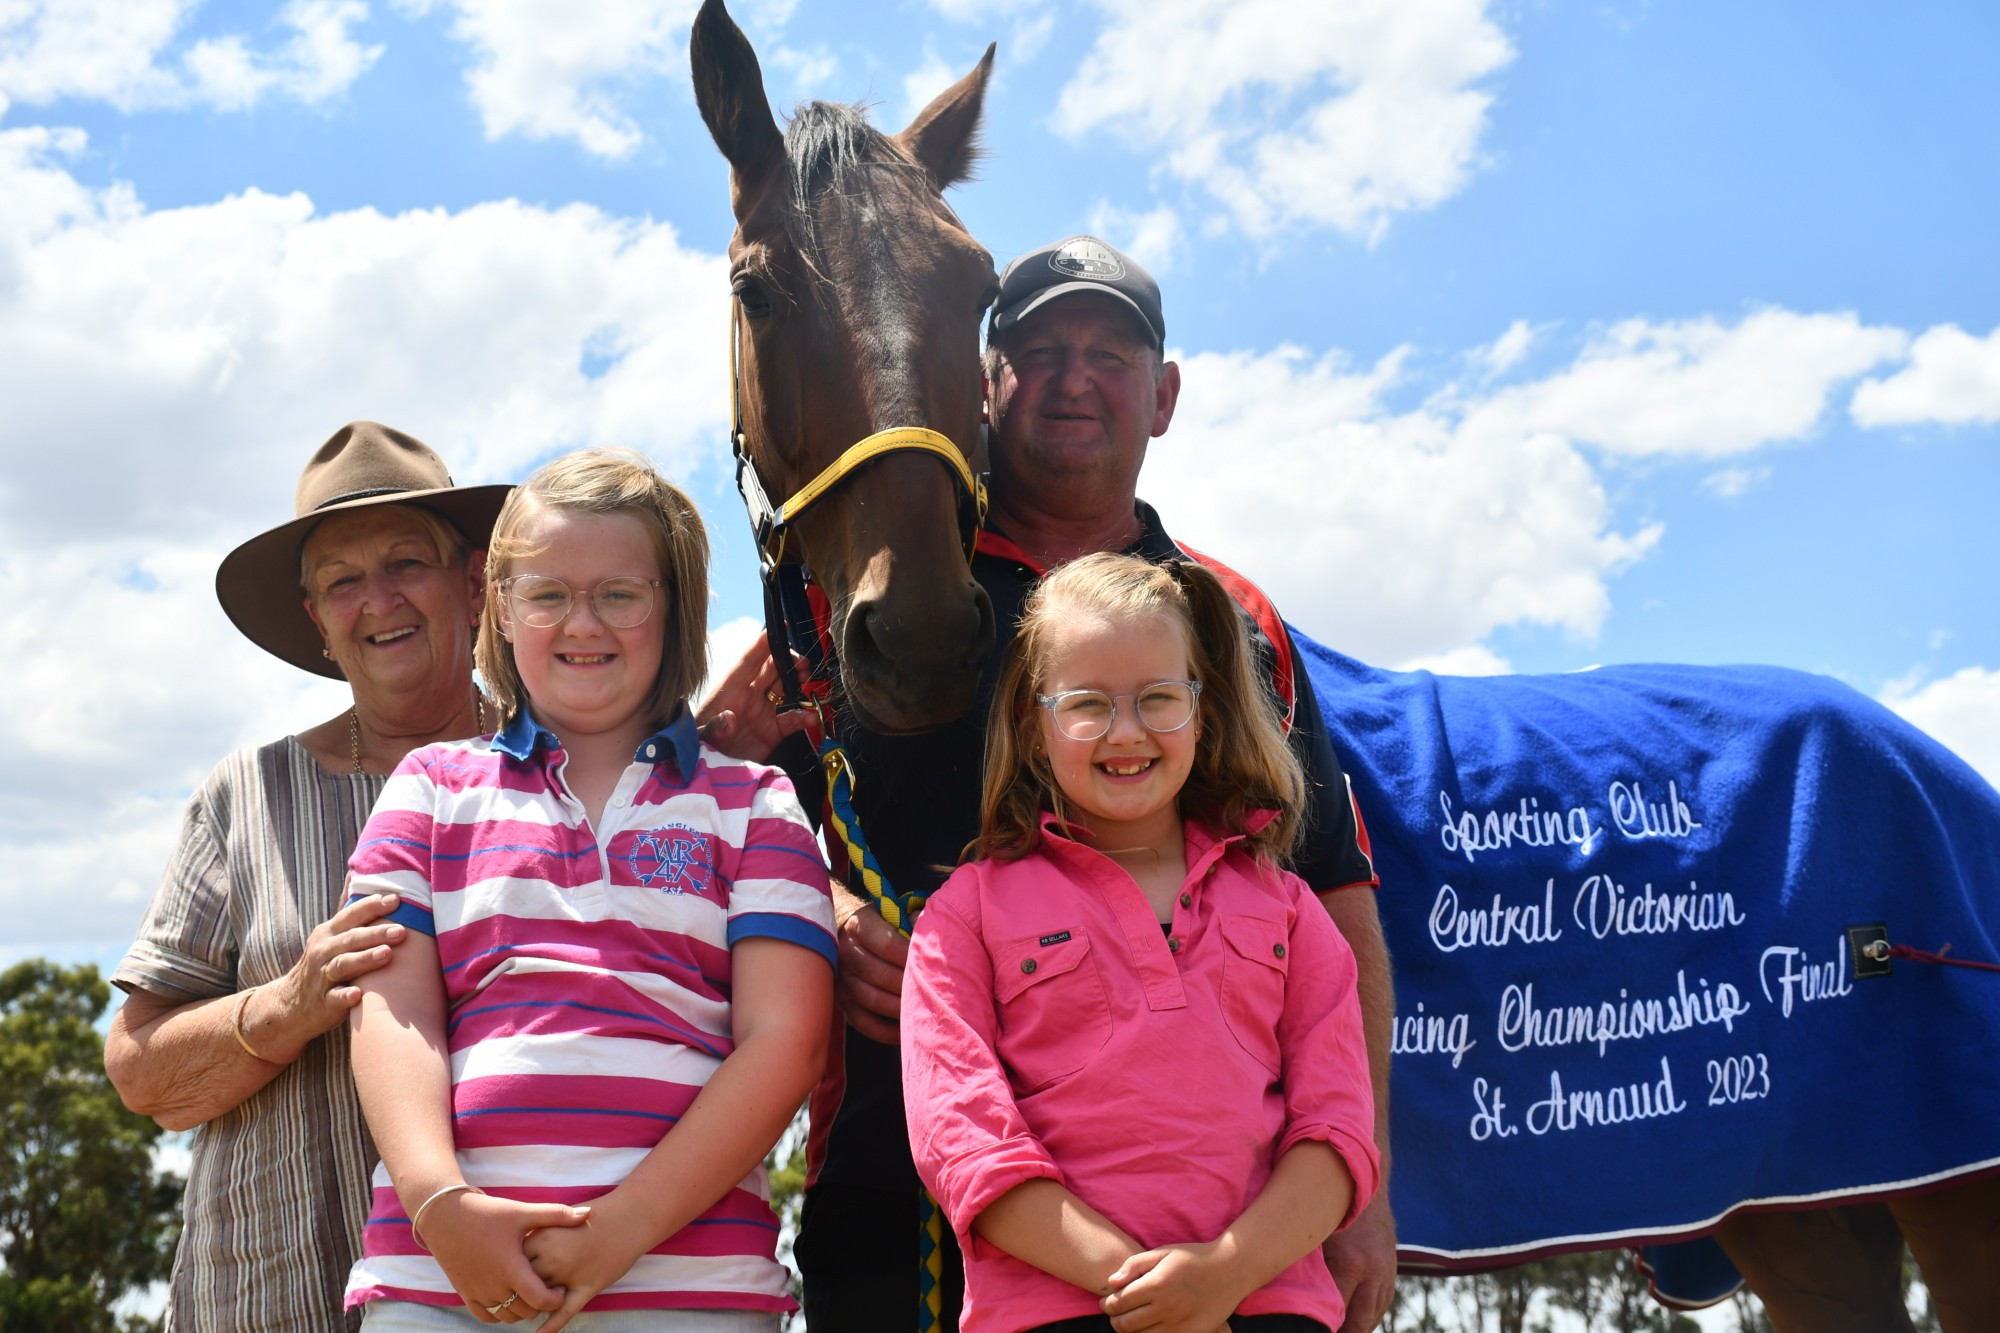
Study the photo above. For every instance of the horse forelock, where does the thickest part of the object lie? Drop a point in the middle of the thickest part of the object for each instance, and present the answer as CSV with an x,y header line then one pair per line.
x,y
850,189
825,143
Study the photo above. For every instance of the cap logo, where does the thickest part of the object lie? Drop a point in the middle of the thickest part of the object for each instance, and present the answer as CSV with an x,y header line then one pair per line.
x,y
1086,258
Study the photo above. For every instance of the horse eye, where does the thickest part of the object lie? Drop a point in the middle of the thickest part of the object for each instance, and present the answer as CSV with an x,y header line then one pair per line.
x,y
756,303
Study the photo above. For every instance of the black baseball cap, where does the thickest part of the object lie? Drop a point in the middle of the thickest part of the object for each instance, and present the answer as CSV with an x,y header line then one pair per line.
x,y
1077,264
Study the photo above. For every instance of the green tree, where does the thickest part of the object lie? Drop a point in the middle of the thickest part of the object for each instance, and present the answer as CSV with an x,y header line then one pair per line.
x,y
1599,1291
787,1166
84,1216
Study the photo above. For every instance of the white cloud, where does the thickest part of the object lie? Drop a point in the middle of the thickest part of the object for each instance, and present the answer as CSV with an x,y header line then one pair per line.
x,y
125,52
1734,482
1473,660
317,62
193,340
1697,387
810,68
166,374
138,685
925,82
1034,22
727,643
1505,352
1961,710
548,70
1396,537
1340,114
1032,30
1153,238
1952,378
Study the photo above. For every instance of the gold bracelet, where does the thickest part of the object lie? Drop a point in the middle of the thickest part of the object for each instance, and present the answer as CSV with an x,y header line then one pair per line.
x,y
418,1216
236,1026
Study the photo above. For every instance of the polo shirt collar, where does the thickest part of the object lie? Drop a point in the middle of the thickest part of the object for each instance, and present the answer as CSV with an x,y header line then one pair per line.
x,y
679,738
1153,543
518,738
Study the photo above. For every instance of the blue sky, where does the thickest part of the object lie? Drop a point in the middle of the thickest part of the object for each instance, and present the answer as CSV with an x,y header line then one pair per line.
x,y
1515,336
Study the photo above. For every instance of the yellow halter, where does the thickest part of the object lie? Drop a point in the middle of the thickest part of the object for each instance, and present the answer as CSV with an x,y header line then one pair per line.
x,y
770,523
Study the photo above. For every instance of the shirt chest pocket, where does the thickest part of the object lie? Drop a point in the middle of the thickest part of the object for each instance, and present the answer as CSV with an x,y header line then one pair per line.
x,y
1254,972
1054,1016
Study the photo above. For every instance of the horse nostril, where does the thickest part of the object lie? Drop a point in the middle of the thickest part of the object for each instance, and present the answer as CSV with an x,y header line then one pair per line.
x,y
910,668
982,632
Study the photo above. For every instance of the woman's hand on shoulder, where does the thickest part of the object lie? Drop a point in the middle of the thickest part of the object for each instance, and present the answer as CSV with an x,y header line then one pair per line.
x,y
319,990
1176,1289
478,1241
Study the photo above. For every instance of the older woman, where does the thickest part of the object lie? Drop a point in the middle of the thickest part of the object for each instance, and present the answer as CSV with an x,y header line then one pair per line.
x,y
241,979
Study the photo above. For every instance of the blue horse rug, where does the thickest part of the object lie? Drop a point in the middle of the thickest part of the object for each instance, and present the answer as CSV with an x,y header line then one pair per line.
x,y
1618,903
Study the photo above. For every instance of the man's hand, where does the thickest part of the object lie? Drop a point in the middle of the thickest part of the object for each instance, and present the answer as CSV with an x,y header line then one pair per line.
x,y
739,717
872,955
1363,1260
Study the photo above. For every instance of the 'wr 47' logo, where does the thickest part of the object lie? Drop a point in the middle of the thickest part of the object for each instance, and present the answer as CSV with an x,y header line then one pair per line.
x,y
674,859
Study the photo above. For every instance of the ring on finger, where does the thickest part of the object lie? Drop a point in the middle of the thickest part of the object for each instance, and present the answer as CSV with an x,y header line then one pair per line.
x,y
326,974
776,696
498,1306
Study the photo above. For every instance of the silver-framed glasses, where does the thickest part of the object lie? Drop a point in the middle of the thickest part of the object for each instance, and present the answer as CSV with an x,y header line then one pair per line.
x,y
1086,715
623,601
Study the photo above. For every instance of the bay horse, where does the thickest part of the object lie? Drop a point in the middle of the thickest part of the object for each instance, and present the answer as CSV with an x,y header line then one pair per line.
x,y
858,296
857,300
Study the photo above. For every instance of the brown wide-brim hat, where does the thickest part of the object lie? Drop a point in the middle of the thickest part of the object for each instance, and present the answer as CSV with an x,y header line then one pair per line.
x,y
363,464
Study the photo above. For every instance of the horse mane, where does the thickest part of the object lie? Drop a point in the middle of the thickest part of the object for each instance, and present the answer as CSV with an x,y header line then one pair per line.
x,y
825,144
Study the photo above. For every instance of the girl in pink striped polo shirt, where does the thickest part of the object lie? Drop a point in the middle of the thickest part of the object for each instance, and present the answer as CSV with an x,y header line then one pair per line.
x,y
617,984
1132,1048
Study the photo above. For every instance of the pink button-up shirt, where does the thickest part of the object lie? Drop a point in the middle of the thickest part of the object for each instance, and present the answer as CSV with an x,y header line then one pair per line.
x,y
1051,1029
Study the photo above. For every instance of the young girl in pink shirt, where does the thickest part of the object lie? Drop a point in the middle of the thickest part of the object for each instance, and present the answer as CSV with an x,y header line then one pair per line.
x,y
1132,1049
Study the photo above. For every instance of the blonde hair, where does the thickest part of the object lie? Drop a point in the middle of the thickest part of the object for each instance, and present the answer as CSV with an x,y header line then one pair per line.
x,y
607,481
1241,762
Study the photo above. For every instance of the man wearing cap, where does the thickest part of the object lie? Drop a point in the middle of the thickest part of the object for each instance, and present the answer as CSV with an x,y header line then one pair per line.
x,y
1077,385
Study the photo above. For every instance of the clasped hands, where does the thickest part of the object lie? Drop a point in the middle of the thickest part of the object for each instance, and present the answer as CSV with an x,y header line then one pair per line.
x,y
553,1257
1188,1288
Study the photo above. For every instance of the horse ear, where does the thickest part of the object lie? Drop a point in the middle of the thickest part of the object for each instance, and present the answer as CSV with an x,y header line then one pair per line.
x,y
729,89
945,135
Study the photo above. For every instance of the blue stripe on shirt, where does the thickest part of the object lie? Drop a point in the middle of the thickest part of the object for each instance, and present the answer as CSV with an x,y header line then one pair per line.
x,y
783,926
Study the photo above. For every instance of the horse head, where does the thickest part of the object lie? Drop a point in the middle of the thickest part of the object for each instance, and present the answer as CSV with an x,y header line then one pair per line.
x,y
858,296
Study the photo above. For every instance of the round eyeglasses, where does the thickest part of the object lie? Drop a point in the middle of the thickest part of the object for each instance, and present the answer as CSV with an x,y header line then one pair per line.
x,y
1085,715
541,602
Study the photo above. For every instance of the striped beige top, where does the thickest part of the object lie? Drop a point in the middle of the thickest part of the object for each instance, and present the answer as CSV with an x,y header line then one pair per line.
x,y
278,1188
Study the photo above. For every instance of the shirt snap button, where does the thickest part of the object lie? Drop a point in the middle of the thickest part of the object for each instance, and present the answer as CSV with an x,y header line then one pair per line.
x,y
1027,965
1278,950
1173,944
1187,900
